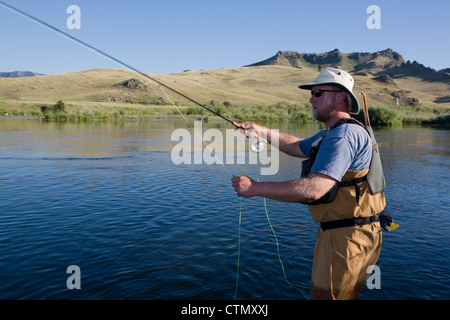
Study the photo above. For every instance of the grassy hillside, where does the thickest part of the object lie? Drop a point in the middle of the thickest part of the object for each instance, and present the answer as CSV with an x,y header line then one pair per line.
x,y
106,91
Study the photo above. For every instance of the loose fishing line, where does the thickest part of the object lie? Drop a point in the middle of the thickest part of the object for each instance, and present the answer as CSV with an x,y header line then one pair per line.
x,y
278,253
256,146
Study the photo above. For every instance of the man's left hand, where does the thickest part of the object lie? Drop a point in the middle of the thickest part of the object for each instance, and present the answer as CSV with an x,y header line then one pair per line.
x,y
244,186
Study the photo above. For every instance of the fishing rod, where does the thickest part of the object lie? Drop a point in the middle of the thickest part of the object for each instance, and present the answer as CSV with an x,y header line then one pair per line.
x,y
366,112
190,99
256,147
117,61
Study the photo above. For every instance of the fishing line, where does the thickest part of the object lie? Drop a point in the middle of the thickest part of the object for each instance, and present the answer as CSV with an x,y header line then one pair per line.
x,y
158,83
161,85
122,64
239,250
103,54
278,252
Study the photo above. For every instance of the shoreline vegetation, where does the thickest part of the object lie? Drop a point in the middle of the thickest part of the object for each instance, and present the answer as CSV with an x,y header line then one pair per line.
x,y
281,111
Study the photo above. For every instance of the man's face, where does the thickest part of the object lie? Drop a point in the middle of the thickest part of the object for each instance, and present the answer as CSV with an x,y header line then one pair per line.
x,y
324,107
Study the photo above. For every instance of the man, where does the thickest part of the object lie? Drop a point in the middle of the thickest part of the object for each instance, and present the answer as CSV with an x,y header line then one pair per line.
x,y
334,185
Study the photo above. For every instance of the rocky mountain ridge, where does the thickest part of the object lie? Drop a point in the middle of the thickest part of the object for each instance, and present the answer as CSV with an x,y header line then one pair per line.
x,y
384,76
385,62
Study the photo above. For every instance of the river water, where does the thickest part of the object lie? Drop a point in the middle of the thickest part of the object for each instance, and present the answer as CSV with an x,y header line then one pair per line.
x,y
108,198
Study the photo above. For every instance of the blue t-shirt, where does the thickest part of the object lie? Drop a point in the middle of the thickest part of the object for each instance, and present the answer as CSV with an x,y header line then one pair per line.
x,y
347,147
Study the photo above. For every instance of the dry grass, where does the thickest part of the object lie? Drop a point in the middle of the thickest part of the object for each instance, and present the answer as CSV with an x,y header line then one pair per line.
x,y
96,91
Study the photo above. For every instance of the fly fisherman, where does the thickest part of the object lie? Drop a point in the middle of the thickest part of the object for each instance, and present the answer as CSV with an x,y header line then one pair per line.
x,y
334,185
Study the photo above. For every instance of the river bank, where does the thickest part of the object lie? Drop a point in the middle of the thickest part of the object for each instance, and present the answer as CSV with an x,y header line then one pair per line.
x,y
281,111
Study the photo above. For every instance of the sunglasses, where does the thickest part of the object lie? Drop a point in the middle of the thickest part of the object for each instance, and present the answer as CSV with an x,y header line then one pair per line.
x,y
317,93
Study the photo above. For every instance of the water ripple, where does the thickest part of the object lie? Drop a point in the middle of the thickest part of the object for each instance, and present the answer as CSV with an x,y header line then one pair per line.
x,y
141,227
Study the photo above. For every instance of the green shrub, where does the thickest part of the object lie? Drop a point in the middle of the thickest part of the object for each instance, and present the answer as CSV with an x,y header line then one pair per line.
x,y
55,112
60,106
381,116
45,109
440,120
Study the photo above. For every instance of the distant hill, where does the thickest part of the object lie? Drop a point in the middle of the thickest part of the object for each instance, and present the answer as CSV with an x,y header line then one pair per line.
x,y
356,61
384,76
386,62
18,74
415,69
387,67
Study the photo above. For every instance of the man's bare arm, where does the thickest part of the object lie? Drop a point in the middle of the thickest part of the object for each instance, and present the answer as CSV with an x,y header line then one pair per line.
x,y
301,190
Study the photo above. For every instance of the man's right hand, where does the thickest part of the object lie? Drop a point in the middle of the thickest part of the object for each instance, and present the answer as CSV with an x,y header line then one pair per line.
x,y
253,130
284,142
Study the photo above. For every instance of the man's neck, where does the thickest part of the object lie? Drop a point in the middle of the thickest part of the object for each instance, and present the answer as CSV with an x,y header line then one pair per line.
x,y
336,117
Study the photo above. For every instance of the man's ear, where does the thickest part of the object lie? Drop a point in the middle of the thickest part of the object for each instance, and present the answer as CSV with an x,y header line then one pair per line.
x,y
340,97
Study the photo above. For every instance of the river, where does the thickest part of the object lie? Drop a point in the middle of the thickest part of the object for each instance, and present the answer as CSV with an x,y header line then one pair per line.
x,y
108,198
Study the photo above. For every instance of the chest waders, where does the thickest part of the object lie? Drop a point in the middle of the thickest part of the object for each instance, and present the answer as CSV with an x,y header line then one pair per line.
x,y
349,239
352,179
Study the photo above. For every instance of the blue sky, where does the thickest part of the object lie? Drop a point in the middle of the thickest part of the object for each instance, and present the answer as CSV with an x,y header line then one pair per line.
x,y
169,36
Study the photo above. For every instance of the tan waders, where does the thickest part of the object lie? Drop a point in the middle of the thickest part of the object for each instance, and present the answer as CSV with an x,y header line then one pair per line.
x,y
343,253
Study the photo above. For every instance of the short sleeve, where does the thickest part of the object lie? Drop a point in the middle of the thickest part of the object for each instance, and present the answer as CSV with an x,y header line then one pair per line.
x,y
347,147
306,144
334,158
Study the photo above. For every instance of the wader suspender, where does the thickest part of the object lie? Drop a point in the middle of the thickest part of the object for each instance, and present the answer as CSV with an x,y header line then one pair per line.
x,y
307,165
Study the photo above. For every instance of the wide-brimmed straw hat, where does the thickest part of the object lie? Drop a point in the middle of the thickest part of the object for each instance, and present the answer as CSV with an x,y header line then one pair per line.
x,y
337,78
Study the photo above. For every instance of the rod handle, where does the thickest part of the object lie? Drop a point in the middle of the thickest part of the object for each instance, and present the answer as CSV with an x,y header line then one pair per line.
x,y
366,111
